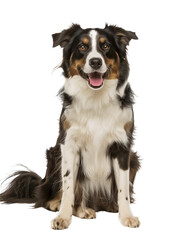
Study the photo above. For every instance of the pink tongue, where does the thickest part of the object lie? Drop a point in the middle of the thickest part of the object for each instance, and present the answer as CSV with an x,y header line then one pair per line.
x,y
96,82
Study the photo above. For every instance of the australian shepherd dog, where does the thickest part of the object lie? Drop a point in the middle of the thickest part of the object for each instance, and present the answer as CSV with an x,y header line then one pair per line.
x,y
92,166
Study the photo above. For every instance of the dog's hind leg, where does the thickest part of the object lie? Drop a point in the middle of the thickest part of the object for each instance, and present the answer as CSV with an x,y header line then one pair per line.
x,y
48,192
54,204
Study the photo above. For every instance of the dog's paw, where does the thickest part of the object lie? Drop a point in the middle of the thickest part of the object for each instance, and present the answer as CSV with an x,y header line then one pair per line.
x,y
60,223
86,213
53,206
132,222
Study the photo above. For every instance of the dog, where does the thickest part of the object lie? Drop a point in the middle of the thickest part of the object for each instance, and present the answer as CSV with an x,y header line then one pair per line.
x,y
92,166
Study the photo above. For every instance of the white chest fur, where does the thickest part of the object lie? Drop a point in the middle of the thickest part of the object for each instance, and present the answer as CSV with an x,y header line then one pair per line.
x,y
96,121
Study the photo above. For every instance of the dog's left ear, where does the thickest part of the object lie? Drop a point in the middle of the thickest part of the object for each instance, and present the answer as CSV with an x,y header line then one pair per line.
x,y
64,37
123,35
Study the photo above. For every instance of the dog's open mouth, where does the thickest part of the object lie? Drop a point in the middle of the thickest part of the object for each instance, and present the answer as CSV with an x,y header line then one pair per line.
x,y
95,80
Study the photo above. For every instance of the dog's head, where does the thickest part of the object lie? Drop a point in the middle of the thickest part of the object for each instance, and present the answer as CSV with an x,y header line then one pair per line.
x,y
95,54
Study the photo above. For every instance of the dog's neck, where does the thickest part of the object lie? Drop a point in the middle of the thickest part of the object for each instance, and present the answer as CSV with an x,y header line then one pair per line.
x,y
78,89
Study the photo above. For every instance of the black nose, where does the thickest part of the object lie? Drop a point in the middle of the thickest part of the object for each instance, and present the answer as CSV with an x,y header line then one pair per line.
x,y
95,63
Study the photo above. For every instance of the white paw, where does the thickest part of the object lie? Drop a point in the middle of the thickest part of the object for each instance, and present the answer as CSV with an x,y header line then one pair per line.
x,y
87,213
60,223
132,222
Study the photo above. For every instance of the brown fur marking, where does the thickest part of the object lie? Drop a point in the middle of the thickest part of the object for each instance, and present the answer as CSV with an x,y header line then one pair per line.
x,y
102,40
85,40
66,123
114,67
75,65
128,127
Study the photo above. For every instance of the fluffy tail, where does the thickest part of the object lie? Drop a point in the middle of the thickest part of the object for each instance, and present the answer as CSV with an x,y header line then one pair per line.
x,y
22,189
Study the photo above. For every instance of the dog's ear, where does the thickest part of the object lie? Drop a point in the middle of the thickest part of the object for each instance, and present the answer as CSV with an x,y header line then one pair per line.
x,y
64,37
123,35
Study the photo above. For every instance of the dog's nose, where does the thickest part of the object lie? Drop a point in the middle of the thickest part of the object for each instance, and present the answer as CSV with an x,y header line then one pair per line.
x,y
95,63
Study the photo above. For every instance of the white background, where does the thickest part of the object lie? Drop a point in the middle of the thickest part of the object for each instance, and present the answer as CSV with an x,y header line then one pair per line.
x,y
29,109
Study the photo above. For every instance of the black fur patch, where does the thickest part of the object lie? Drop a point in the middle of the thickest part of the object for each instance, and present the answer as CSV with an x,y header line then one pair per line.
x,y
66,99
64,37
67,173
22,189
62,133
121,153
51,184
80,176
128,99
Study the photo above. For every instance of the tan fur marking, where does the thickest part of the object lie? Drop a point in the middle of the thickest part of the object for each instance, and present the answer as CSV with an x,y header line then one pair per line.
x,y
66,123
102,40
85,40
74,65
128,127
114,68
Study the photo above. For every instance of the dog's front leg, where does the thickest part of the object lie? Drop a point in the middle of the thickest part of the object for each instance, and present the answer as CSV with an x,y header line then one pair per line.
x,y
70,164
121,170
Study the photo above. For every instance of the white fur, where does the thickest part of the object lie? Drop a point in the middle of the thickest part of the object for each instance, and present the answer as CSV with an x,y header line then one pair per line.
x,y
96,121
94,54
122,181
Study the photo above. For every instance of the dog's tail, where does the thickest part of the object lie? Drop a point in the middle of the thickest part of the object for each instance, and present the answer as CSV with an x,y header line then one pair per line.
x,y
22,189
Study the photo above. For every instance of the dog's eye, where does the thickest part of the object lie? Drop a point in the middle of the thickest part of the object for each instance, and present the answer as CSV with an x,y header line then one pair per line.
x,y
105,46
82,47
